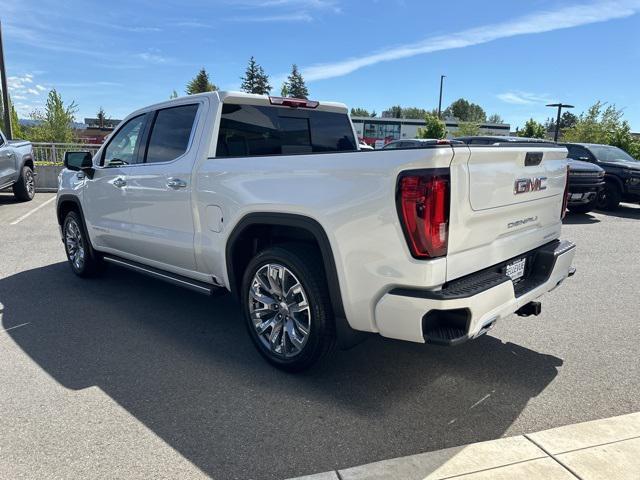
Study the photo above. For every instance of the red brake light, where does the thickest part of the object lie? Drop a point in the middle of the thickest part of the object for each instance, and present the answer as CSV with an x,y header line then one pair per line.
x,y
293,102
423,206
565,199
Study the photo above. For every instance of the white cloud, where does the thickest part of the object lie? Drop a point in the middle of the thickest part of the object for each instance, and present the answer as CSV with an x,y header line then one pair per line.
x,y
285,17
538,22
524,98
152,57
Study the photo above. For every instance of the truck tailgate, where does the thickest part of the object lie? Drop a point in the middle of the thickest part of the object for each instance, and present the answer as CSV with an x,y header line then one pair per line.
x,y
504,201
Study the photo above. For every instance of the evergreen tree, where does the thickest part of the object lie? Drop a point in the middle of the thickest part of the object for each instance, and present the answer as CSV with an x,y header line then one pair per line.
x,y
255,80
200,83
284,90
173,95
360,112
16,128
102,117
296,87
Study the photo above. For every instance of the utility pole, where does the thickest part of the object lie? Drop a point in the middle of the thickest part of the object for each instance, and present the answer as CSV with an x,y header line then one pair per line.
x,y
560,106
442,77
5,92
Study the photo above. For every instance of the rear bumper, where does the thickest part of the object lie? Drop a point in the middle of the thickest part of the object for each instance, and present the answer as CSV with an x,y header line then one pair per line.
x,y
466,308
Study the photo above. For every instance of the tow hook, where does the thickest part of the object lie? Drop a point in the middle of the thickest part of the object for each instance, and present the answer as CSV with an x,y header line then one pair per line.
x,y
531,308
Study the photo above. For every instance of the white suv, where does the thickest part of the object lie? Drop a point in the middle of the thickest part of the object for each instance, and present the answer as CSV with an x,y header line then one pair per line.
x,y
271,199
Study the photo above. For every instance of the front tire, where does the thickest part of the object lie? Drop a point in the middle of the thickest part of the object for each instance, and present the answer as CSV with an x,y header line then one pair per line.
x,y
25,187
609,198
285,302
83,259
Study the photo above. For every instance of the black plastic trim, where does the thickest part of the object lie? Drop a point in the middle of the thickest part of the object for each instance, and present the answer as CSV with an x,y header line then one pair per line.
x,y
540,263
347,336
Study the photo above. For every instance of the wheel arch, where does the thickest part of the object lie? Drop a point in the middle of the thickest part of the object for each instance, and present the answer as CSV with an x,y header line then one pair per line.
x,y
252,223
65,204
615,180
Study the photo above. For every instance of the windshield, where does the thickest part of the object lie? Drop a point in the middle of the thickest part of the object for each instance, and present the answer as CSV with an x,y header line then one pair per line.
x,y
611,154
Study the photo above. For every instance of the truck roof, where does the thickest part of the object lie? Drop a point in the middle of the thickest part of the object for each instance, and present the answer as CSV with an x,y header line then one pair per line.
x,y
238,97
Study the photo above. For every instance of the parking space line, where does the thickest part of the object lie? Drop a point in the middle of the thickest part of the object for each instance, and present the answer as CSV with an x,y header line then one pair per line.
x,y
14,327
31,212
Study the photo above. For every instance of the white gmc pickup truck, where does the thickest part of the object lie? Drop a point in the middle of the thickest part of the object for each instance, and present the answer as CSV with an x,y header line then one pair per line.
x,y
271,199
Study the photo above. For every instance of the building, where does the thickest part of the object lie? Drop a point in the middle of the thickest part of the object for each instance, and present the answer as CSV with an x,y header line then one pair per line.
x,y
94,132
373,130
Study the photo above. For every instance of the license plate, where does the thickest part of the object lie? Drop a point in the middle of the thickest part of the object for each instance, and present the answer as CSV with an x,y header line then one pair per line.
x,y
576,196
515,269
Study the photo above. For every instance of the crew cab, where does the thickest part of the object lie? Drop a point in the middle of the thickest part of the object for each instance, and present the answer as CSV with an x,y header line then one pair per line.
x,y
586,180
622,172
271,199
17,168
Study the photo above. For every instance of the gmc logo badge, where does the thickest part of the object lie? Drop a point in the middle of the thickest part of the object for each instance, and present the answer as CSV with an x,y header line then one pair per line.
x,y
524,185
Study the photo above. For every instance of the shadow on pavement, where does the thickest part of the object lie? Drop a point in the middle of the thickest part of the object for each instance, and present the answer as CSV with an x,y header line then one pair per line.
x,y
623,211
183,365
579,219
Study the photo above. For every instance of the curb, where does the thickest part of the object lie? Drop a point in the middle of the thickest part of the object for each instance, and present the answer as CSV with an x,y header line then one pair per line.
x,y
607,448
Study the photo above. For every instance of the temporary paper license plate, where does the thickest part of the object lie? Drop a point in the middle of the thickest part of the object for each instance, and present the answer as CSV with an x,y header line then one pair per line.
x,y
515,269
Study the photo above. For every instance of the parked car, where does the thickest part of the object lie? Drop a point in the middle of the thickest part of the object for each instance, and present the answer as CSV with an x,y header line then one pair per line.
x,y
586,180
270,198
17,168
622,172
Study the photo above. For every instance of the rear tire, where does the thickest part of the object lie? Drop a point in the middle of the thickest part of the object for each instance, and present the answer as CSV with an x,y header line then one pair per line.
x,y
25,187
609,197
285,302
83,259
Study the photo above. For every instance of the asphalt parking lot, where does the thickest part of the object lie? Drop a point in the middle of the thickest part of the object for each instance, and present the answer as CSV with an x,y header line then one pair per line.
x,y
128,377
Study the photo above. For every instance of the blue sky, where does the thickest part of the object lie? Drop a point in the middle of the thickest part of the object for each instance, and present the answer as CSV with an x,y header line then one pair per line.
x,y
511,57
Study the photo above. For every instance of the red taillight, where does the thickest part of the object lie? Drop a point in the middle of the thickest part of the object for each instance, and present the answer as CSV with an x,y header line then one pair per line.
x,y
293,102
423,206
565,199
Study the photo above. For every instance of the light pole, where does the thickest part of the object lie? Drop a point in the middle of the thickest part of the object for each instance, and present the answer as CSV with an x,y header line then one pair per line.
x,y
5,92
442,77
560,106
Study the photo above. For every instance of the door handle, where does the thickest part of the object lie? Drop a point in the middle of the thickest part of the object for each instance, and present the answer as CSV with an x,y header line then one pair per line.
x,y
176,183
119,182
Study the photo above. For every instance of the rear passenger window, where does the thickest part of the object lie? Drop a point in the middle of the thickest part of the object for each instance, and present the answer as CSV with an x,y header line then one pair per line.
x,y
170,133
248,130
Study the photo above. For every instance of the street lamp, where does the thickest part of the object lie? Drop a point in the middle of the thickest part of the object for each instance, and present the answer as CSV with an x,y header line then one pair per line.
x,y
442,77
560,106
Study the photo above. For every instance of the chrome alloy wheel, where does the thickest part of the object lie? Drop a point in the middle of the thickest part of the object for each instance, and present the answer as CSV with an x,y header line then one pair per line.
x,y
30,182
279,310
75,244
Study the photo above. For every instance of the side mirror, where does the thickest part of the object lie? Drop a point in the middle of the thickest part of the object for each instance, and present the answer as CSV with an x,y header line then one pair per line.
x,y
79,161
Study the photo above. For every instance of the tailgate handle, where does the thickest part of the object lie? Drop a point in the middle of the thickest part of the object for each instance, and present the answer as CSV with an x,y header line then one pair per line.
x,y
532,159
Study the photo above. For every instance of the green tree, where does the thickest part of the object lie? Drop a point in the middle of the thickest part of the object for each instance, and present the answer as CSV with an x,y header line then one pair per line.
x,y
55,124
360,112
373,114
284,90
16,128
414,112
434,128
173,95
296,88
495,118
468,129
465,111
532,129
567,120
393,112
200,83
255,80
603,123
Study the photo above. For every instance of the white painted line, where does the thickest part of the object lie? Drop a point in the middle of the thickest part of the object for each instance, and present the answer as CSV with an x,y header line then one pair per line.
x,y
31,212
480,401
14,327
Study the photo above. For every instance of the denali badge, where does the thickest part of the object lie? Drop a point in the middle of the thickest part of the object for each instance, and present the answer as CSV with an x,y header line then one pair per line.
x,y
522,221
524,185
